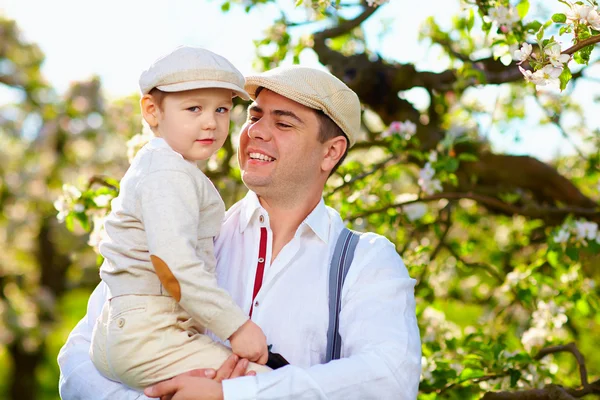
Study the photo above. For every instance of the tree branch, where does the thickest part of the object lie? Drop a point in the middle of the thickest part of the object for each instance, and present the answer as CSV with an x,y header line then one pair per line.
x,y
533,211
570,348
580,45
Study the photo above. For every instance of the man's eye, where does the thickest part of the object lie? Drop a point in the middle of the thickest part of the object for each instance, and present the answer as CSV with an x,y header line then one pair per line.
x,y
222,110
193,109
282,125
253,119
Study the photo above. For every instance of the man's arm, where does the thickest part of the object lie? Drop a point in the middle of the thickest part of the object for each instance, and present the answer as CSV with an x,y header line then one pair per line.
x,y
79,379
381,346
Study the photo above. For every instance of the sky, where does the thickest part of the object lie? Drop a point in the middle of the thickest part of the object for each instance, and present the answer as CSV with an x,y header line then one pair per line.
x,y
117,39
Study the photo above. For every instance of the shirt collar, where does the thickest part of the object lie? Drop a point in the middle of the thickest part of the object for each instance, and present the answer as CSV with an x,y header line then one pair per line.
x,y
317,220
160,143
250,205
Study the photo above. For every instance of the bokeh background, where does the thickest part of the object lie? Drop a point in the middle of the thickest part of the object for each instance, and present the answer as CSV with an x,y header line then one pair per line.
x,y
487,185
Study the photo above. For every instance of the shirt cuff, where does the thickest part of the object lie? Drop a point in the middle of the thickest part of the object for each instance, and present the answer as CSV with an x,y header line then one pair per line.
x,y
243,388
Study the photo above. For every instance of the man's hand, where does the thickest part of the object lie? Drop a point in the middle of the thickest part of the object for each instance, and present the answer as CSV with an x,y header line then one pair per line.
x,y
186,387
250,342
187,384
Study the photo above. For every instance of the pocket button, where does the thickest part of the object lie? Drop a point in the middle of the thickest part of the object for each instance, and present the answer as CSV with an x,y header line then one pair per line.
x,y
120,322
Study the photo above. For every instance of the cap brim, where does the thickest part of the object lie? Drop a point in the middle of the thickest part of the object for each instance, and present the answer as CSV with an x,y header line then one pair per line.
x,y
182,86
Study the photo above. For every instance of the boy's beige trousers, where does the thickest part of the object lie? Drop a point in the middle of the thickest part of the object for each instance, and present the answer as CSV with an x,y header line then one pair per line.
x,y
142,340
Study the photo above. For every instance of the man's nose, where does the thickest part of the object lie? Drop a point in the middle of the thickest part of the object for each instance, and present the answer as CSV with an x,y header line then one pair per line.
x,y
259,130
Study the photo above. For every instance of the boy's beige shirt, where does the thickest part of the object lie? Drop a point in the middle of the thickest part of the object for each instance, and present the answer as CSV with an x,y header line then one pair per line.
x,y
160,238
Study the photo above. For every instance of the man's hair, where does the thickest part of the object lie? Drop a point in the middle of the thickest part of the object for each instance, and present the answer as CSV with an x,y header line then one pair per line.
x,y
327,130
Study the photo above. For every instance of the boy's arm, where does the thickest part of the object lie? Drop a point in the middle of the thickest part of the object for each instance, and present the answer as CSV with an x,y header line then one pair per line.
x,y
79,379
380,340
172,208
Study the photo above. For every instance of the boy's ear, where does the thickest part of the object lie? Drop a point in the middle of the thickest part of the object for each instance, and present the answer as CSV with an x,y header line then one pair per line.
x,y
149,110
334,149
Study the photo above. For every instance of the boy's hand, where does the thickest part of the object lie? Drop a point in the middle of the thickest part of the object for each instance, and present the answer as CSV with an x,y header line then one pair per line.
x,y
250,342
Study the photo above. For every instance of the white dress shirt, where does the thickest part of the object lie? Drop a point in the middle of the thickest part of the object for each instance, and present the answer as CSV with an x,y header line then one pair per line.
x,y
381,352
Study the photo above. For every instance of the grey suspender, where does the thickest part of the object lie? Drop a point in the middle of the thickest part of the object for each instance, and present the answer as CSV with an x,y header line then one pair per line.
x,y
340,264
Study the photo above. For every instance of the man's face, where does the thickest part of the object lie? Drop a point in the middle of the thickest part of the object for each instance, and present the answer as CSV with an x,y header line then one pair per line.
x,y
279,153
195,123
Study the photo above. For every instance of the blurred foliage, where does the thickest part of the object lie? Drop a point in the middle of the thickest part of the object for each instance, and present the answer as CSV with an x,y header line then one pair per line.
x,y
505,249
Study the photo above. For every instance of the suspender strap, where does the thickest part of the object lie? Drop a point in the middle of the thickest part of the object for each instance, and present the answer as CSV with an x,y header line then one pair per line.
x,y
340,264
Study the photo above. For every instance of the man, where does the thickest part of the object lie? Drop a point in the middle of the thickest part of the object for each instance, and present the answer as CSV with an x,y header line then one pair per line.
x,y
273,255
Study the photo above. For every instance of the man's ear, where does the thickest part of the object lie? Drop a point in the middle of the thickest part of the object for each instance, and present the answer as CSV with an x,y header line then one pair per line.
x,y
150,110
334,150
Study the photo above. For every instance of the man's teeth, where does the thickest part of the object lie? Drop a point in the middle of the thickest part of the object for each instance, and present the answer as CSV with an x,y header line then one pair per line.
x,y
260,156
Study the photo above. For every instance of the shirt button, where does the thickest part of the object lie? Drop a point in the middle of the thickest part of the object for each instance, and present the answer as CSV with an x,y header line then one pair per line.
x,y
261,219
256,303
261,260
120,322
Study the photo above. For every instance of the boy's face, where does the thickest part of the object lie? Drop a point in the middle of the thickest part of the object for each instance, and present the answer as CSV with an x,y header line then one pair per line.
x,y
195,123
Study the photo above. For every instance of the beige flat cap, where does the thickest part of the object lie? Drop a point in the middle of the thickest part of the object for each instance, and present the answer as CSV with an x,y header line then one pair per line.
x,y
187,68
315,89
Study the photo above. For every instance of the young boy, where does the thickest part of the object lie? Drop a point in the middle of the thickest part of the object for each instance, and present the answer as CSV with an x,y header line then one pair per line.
x,y
159,263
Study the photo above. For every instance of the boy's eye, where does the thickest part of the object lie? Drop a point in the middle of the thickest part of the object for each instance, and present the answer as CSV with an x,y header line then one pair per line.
x,y
222,110
194,109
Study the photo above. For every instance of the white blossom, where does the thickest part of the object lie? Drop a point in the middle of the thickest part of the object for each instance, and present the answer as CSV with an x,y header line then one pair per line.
x,y
67,202
523,53
534,337
415,211
98,233
545,76
578,13
62,207
433,157
426,181
103,200
504,16
562,236
593,18
586,230
555,57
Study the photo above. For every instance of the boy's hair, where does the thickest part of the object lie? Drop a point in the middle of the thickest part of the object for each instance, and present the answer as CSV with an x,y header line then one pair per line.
x,y
158,96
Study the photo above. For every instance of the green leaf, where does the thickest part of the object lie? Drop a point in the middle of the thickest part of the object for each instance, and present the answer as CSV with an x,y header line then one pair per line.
x,y
470,20
523,8
533,26
553,258
572,253
225,6
583,56
467,157
540,34
469,373
565,77
515,375
559,18
451,165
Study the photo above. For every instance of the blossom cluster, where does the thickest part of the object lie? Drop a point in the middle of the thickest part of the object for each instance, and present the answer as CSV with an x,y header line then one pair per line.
x,y
581,231
583,14
547,321
68,202
427,181
404,129
550,73
505,17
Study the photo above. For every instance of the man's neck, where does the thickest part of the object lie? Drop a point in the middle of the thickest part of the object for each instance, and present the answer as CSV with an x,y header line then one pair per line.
x,y
285,218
